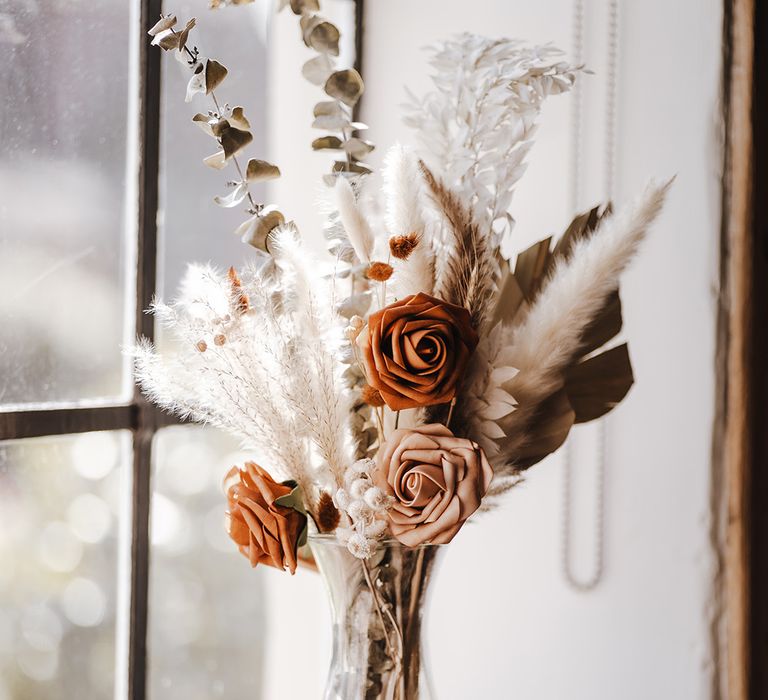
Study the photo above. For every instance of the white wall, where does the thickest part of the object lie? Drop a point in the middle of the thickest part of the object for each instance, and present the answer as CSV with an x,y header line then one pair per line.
x,y
504,624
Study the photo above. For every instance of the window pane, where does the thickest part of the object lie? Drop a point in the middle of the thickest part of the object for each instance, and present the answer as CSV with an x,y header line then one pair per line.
x,y
61,509
206,605
67,192
192,227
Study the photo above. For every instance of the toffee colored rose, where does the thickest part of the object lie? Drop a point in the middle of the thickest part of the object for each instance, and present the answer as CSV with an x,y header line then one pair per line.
x,y
416,350
437,480
265,532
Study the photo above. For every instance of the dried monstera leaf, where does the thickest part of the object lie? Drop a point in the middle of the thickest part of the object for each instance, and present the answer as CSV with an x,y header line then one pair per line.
x,y
596,379
261,170
346,86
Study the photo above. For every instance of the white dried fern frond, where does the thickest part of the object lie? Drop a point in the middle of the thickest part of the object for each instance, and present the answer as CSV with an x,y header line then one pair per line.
x,y
476,127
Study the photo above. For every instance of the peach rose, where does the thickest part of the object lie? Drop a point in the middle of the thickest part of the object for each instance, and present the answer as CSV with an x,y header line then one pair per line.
x,y
415,350
265,531
437,480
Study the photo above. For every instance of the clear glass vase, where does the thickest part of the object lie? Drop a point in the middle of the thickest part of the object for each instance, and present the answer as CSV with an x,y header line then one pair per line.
x,y
377,608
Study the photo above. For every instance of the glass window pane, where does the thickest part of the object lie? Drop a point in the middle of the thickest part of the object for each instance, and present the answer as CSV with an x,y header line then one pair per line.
x,y
62,505
192,227
206,606
66,180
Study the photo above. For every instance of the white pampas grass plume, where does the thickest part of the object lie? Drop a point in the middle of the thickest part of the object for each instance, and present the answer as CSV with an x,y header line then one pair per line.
x,y
404,197
353,220
317,390
546,340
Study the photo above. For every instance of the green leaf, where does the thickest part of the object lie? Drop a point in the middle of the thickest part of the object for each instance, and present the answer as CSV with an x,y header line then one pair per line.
x,y
295,500
346,86
260,170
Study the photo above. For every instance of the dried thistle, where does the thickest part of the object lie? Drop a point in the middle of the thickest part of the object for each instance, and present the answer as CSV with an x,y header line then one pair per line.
x,y
402,246
379,271
328,515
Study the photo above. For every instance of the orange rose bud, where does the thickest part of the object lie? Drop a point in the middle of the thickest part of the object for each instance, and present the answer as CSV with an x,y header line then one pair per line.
x,y
379,271
402,246
264,531
416,350
328,515
372,396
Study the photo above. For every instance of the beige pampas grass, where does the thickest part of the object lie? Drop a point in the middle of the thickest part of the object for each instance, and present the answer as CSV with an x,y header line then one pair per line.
x,y
353,220
549,335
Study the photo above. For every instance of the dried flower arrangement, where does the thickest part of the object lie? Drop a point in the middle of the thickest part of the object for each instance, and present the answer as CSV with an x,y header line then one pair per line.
x,y
410,383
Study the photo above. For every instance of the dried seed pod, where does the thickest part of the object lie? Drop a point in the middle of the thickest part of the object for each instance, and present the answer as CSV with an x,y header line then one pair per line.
x,y
328,515
402,246
379,271
220,339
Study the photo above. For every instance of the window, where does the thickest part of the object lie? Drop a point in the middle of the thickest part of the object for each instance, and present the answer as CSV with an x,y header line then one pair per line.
x,y
104,201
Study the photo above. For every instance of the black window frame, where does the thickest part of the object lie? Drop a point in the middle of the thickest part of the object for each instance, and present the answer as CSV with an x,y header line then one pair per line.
x,y
139,416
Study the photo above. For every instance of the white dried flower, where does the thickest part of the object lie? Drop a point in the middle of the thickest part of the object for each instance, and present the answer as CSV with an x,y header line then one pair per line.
x,y
358,488
360,546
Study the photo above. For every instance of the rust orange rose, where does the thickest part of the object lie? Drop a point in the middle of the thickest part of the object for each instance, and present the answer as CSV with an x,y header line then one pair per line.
x,y
415,350
265,531
437,480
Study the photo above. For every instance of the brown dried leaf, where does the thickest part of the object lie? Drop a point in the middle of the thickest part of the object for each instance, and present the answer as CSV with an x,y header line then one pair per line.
x,y
605,326
255,231
510,298
165,23
530,266
205,122
260,170
346,86
185,34
238,119
598,384
214,75
329,108
167,42
549,429
359,168
327,143
234,140
299,7
320,35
